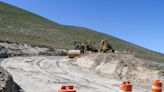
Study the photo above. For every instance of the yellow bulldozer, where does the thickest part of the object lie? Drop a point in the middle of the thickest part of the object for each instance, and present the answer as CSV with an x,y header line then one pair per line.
x,y
81,48
106,46
86,46
89,46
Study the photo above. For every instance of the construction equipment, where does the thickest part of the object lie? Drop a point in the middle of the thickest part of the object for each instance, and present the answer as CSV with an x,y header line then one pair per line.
x,y
89,46
86,46
81,48
74,53
106,46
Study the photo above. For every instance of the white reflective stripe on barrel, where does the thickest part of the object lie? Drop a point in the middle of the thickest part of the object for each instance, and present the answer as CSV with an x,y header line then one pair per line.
x,y
124,91
156,87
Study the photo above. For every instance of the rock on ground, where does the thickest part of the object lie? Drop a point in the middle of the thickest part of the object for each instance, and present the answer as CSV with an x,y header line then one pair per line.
x,y
6,82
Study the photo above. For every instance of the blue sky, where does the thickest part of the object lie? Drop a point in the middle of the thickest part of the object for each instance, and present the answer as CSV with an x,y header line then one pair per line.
x,y
137,21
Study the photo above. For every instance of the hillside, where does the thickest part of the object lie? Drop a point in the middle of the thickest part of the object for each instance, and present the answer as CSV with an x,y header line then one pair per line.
x,y
17,25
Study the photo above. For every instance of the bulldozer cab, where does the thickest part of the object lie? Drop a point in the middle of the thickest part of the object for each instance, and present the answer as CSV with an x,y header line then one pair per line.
x,y
106,46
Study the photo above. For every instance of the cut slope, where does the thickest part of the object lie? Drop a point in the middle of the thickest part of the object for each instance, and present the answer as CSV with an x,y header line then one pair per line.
x,y
17,25
123,67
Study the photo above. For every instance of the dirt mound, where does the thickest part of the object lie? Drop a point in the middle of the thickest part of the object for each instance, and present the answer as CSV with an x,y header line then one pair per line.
x,y
122,67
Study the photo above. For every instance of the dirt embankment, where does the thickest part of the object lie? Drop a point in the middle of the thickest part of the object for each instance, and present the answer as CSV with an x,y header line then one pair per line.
x,y
18,49
123,67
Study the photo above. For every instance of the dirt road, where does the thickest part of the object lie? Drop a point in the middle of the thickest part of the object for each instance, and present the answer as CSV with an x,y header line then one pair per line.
x,y
46,74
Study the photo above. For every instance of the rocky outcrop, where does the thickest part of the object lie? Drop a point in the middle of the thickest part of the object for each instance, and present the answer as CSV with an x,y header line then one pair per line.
x,y
18,49
54,52
6,82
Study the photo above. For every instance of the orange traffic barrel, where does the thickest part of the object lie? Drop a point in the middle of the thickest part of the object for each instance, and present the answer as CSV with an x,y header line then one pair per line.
x,y
68,88
126,87
157,86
